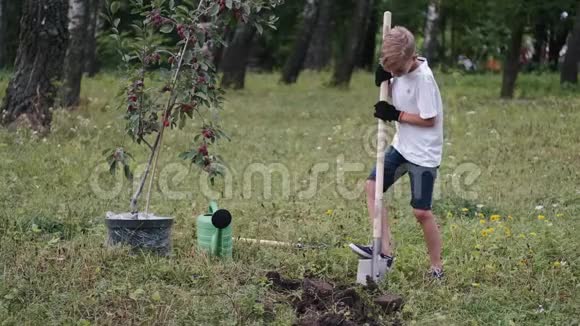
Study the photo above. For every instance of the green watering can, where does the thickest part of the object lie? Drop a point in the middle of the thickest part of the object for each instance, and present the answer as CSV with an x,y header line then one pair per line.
x,y
214,232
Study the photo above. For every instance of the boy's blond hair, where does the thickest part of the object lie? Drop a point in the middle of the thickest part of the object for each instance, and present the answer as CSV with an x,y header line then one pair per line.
x,y
398,46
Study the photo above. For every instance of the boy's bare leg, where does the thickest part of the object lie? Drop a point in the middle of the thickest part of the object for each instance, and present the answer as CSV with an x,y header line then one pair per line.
x,y
431,234
386,231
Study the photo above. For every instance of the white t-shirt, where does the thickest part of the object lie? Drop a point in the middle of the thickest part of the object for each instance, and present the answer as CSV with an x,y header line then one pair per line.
x,y
417,92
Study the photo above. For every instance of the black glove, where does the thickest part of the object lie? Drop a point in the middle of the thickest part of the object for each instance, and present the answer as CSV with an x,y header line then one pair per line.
x,y
386,112
381,75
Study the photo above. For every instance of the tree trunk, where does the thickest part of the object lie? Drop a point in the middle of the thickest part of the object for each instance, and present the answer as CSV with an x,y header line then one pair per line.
x,y
218,49
366,59
512,60
10,13
93,25
343,70
75,56
236,57
443,47
558,35
540,37
569,72
320,48
261,56
3,27
39,64
295,61
430,43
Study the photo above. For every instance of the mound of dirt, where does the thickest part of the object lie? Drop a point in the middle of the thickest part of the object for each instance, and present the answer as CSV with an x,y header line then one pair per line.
x,y
322,303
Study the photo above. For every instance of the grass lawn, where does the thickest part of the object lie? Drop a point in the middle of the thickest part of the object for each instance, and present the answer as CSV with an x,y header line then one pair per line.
x,y
507,200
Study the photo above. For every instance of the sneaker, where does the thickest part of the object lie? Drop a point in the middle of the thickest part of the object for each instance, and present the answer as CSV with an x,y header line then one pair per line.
x,y
367,252
436,273
362,251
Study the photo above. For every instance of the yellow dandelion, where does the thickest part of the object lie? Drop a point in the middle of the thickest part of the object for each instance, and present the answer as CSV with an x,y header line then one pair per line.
x,y
510,217
541,217
508,232
556,264
484,233
465,209
329,212
490,230
533,234
482,222
481,215
495,218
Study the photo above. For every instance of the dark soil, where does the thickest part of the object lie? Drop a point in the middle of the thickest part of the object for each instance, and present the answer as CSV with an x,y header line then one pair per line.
x,y
322,303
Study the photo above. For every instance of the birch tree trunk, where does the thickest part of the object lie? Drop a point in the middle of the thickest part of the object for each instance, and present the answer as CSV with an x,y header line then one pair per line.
x,y
75,55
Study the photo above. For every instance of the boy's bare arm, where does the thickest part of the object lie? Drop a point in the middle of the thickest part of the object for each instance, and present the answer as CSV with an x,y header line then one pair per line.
x,y
416,120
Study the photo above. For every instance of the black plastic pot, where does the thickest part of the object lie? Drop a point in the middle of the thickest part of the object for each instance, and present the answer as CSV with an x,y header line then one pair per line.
x,y
142,234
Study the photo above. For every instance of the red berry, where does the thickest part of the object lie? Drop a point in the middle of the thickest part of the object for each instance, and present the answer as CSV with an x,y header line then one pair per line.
x,y
238,14
203,150
133,98
207,133
166,123
131,108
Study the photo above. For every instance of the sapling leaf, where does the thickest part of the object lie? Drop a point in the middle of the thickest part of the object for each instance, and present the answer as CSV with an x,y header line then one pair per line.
x,y
128,173
113,167
167,28
214,9
115,6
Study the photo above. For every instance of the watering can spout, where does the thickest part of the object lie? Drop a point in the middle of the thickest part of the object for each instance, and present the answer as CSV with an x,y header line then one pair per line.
x,y
213,207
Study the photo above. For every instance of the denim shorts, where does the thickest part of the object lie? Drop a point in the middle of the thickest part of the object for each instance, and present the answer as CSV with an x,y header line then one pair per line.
x,y
422,178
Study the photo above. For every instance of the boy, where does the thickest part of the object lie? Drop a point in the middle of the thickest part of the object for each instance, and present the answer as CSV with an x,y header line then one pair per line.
x,y
416,148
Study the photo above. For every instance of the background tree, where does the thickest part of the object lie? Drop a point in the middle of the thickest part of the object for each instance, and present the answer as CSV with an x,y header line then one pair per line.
x,y
512,59
569,72
236,57
38,70
559,28
358,26
368,46
540,39
10,12
76,53
295,61
93,27
3,27
430,42
319,51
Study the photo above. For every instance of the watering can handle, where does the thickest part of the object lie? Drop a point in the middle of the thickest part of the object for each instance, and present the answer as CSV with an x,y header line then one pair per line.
x,y
213,206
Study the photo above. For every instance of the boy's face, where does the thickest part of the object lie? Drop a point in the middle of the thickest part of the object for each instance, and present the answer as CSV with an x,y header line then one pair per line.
x,y
400,67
